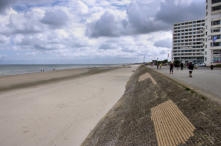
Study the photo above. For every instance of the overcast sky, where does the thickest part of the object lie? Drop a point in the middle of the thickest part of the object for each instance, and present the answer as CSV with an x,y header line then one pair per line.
x,y
90,31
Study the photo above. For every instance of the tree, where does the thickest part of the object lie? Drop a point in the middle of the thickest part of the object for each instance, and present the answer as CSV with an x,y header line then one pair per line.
x,y
176,63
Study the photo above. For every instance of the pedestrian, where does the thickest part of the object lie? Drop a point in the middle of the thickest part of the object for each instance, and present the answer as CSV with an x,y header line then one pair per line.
x,y
211,66
190,67
160,65
157,65
181,66
171,68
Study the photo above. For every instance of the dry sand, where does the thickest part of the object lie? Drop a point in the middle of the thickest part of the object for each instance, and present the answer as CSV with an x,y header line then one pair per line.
x,y
61,113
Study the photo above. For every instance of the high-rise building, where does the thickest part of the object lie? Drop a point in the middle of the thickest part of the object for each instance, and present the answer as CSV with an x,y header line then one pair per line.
x,y
213,32
188,41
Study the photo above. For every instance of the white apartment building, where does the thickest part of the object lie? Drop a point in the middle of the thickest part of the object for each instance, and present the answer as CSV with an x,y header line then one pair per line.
x,y
213,32
189,41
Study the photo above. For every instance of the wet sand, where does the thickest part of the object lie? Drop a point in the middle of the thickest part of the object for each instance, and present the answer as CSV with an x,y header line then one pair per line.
x,y
58,113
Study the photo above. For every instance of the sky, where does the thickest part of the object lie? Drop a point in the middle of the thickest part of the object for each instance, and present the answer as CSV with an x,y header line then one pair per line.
x,y
90,31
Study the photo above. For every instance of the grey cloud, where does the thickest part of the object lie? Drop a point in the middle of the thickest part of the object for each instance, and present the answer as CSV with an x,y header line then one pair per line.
x,y
163,43
107,25
36,44
146,17
128,50
2,57
141,18
28,30
170,12
22,25
50,43
26,41
4,4
107,47
110,45
55,19
163,52
42,47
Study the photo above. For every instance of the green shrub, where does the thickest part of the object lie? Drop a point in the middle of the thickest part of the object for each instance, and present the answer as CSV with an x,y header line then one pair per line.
x,y
218,65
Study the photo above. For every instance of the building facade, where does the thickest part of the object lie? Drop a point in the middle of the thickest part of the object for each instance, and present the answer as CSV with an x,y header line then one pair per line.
x,y
189,41
213,32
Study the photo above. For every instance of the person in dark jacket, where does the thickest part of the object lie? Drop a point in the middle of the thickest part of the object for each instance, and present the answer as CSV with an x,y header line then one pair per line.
x,y
181,66
211,66
190,67
171,68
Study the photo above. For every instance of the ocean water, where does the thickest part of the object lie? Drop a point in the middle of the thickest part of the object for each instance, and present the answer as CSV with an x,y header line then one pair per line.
x,y
31,68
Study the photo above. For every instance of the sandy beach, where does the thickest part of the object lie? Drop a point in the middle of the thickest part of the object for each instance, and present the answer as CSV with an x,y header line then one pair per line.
x,y
59,113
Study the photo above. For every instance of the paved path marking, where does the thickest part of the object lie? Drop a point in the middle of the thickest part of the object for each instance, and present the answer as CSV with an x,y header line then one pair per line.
x,y
171,126
146,76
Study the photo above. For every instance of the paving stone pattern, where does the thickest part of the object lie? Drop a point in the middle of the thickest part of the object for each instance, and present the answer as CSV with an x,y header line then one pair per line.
x,y
171,126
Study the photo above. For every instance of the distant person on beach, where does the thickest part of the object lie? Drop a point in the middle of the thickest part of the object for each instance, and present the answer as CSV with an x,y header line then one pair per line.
x,y
211,66
181,66
171,68
160,65
190,67
157,65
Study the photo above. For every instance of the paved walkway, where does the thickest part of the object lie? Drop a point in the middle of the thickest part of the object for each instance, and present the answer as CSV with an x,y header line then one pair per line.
x,y
205,80
162,114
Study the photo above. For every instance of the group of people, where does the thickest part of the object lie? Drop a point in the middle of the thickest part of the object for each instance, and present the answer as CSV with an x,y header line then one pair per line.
x,y
190,67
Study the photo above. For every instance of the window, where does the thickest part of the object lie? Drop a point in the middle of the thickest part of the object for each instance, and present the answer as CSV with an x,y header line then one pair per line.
x,y
216,1
215,30
216,8
217,59
217,22
215,44
215,37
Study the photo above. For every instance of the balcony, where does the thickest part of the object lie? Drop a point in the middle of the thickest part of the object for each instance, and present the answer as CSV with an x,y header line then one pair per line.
x,y
216,2
215,48
216,26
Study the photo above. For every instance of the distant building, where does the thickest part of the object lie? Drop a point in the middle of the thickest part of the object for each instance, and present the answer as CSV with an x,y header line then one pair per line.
x,y
213,32
188,41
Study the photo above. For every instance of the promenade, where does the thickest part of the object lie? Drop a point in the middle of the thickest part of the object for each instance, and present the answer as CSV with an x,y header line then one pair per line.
x,y
155,110
204,80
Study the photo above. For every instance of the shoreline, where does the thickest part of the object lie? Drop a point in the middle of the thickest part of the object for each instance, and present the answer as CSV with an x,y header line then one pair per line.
x,y
55,68
11,82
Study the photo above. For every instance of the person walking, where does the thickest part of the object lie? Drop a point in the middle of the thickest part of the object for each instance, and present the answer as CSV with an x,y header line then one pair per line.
x,y
190,67
160,65
171,67
211,66
181,66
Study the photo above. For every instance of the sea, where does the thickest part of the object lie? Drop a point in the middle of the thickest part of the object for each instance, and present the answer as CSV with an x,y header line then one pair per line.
x,y
31,68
